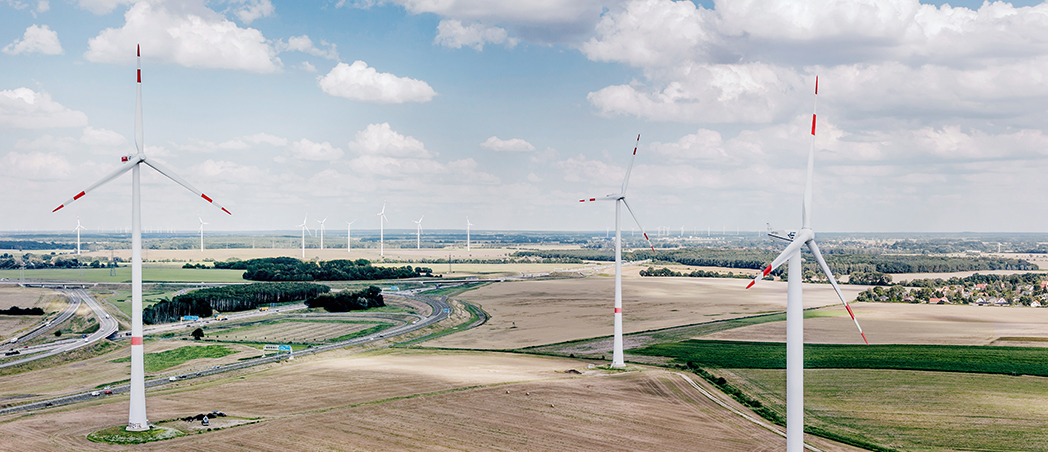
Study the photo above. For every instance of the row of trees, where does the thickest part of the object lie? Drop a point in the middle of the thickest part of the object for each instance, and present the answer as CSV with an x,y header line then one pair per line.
x,y
345,300
15,310
230,298
651,271
1014,289
291,269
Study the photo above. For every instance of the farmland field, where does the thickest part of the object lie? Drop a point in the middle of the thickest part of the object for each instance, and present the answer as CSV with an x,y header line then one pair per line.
x,y
48,300
418,400
298,331
913,410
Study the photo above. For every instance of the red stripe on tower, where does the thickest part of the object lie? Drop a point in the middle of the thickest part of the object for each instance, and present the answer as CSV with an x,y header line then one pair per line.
x,y
813,123
618,310
205,197
136,341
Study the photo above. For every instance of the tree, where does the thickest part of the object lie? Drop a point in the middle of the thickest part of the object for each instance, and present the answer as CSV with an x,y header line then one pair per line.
x,y
197,334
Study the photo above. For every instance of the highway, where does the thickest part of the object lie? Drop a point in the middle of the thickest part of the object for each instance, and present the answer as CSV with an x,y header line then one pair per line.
x,y
107,326
441,310
74,304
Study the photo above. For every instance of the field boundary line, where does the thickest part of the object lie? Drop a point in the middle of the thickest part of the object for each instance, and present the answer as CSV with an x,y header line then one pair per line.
x,y
752,419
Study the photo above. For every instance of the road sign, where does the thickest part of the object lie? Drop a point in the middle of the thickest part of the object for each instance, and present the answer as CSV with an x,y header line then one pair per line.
x,y
284,348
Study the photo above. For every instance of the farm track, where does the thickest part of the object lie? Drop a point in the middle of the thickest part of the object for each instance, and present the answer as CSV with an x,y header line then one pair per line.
x,y
441,310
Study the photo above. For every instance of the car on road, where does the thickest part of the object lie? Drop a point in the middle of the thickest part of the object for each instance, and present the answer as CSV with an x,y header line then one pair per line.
x,y
107,390
95,393
172,378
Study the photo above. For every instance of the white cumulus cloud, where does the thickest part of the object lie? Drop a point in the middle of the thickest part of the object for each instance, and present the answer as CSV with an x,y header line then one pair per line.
x,y
451,33
305,45
249,10
357,81
511,145
381,139
102,137
307,150
37,39
200,38
263,137
34,166
24,108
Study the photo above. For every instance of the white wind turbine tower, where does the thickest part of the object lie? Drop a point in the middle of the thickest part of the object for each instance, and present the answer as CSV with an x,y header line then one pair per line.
x,y
381,237
77,229
305,229
201,232
682,232
322,232
794,305
418,233
137,420
349,236
468,224
617,359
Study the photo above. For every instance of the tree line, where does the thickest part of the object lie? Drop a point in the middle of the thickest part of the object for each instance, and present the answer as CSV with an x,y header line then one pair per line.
x,y
291,269
229,298
15,310
345,300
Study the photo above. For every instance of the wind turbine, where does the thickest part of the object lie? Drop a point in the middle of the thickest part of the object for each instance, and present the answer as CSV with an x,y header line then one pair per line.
x,y
201,232
77,229
381,239
620,200
468,224
322,232
349,236
794,305
418,233
137,411
305,229
682,231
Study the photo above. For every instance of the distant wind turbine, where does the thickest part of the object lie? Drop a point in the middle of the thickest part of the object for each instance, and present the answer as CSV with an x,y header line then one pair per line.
x,y
137,420
305,229
682,231
201,232
349,236
620,200
418,233
468,224
77,229
794,305
322,232
381,238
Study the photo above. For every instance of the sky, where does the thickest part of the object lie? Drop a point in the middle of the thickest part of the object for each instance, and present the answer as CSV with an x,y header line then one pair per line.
x,y
931,116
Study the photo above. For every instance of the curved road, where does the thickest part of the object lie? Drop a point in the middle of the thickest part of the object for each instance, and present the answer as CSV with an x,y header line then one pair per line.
x,y
74,304
440,311
106,326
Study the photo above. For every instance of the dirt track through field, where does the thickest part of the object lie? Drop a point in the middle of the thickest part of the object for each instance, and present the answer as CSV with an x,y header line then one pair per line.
x,y
529,313
427,401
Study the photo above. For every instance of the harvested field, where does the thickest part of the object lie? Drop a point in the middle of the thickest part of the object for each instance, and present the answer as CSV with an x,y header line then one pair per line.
x,y
46,299
529,313
910,410
904,323
432,401
298,331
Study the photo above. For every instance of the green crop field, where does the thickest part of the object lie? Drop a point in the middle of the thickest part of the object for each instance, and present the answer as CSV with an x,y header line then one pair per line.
x,y
772,355
155,362
123,274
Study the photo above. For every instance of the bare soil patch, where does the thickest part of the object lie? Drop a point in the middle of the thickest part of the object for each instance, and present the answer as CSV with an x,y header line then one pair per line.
x,y
898,323
529,313
427,401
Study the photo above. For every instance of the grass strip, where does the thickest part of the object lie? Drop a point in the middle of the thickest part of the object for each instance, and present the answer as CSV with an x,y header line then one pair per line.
x,y
155,362
941,358
120,435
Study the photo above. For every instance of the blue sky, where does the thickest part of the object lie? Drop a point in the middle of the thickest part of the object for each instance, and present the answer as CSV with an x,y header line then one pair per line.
x,y
931,117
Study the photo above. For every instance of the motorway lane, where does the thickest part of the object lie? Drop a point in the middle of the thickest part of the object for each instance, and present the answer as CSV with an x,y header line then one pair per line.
x,y
74,304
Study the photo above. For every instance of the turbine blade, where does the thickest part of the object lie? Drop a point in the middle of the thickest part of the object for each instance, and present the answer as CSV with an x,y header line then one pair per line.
x,y
806,207
123,169
784,256
626,180
833,282
171,175
635,220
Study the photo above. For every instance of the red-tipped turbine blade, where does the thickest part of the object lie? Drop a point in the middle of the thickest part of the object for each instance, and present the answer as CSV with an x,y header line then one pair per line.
x,y
113,175
833,282
171,175
635,220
